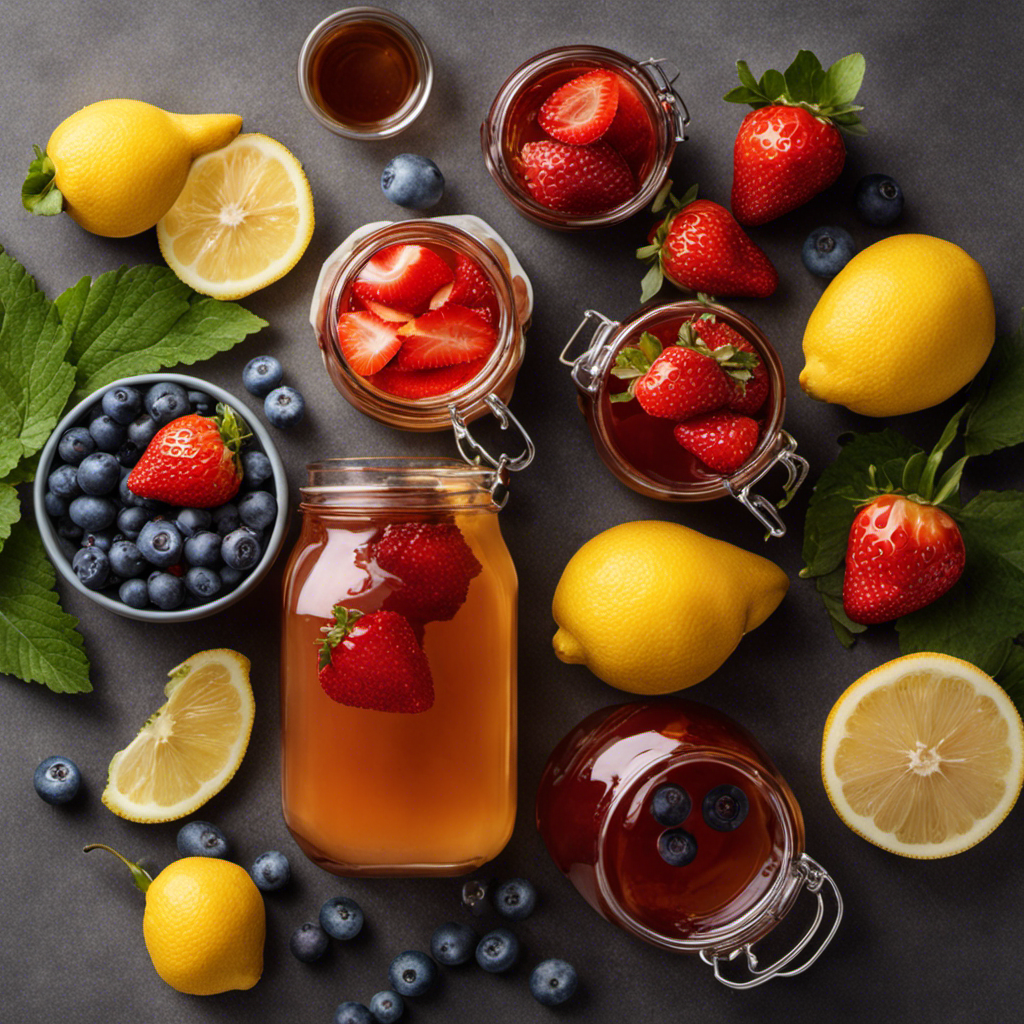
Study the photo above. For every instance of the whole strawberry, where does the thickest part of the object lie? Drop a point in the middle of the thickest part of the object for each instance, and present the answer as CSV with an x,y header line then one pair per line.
x,y
901,556
749,392
789,148
722,440
192,461
699,246
374,662
576,179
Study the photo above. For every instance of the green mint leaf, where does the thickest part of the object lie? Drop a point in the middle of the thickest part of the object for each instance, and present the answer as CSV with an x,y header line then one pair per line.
x,y
38,639
773,85
800,77
24,472
843,79
139,320
996,414
830,588
10,511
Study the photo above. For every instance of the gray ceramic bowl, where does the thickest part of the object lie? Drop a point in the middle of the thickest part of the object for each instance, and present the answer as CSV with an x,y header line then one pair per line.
x,y
189,610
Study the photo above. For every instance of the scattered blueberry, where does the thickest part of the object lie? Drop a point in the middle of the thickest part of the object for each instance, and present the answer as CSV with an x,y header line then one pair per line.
x,y
453,944
341,918
108,434
203,583
131,520
677,847
191,521
515,899
725,808
63,482
134,593
271,871
98,474
68,528
474,896
225,519
75,445
284,408
256,469
160,543
257,509
241,549
878,199
412,181
553,982
142,430
387,1007
165,591
92,513
827,250
92,567
122,404
670,805
352,1013
261,375
202,403
412,973
55,506
203,549
202,839
309,942
102,539
57,780
165,387
497,951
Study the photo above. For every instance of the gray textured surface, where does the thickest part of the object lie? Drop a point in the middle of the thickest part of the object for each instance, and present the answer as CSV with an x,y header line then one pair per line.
x,y
922,941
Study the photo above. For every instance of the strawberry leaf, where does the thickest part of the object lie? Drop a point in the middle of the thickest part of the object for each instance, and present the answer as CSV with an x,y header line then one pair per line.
x,y
800,77
773,85
830,588
652,282
843,80
996,414
747,78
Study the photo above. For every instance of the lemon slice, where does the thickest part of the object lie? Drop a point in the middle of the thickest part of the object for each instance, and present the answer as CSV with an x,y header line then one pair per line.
x,y
923,756
188,749
243,219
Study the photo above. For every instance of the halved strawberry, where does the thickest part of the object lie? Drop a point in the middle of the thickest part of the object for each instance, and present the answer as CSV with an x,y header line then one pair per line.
x,y
389,313
582,110
470,287
425,383
576,179
403,277
444,337
631,133
367,342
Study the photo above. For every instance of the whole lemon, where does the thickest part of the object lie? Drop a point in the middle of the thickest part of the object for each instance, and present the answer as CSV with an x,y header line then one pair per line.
x,y
120,164
652,607
903,326
204,926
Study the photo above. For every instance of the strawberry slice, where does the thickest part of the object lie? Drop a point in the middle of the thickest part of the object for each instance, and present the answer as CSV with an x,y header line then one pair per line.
x,y
576,179
470,287
631,133
389,313
722,440
489,311
582,110
425,383
444,337
403,277
367,342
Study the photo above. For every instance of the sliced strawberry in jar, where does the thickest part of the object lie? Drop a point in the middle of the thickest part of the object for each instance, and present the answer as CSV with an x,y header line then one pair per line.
x,y
367,342
576,179
722,440
631,133
403,277
389,313
444,337
582,110
470,287
489,311
425,383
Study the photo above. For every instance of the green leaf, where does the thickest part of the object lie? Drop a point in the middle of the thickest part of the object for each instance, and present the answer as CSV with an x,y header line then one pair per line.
x,y
741,94
652,281
38,639
39,192
10,511
850,123
1010,675
830,587
746,76
139,320
800,77
843,79
773,85
996,416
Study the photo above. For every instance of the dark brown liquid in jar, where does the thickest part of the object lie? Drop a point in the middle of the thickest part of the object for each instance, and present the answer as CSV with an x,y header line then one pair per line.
x,y
363,73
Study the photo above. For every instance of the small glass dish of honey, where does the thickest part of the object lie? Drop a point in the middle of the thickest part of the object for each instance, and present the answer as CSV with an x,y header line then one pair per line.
x,y
365,73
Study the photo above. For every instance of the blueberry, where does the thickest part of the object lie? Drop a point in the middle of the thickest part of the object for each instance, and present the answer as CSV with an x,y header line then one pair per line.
x,y
474,896
412,181
165,591
203,583
256,469
75,444
202,403
261,375
168,408
128,454
160,543
126,560
284,408
827,250
108,434
670,805
131,520
241,549
725,808
387,1007
63,482
230,577
201,839
130,499
309,942
497,951
122,404
258,509
92,513
412,973
99,474
203,549
134,593
553,982
341,918
352,1013
677,847
92,567
102,539
878,199
271,871
453,944
142,430
54,506
166,387
68,528
57,780
515,899
191,521
226,519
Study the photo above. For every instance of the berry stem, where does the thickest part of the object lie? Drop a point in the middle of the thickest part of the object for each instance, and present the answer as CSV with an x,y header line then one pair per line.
x,y
140,876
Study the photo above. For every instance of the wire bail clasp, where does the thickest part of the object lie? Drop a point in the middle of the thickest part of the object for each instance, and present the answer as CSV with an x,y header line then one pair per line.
x,y
767,514
667,92
586,372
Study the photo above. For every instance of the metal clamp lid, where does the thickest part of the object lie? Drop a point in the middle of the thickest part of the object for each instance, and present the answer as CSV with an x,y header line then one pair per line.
x,y
767,514
586,373
667,93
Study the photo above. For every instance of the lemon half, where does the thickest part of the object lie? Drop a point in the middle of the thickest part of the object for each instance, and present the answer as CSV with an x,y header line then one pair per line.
x,y
242,220
190,748
923,756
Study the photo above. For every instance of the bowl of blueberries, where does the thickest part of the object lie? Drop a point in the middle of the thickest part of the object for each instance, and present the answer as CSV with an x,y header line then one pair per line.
x,y
170,558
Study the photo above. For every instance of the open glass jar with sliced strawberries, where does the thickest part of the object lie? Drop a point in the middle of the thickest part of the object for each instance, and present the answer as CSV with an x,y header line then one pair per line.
x,y
582,136
685,402
398,669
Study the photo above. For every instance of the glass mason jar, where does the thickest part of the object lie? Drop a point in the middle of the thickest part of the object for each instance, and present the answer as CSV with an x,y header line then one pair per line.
x,y
673,823
459,236
399,740
512,122
641,450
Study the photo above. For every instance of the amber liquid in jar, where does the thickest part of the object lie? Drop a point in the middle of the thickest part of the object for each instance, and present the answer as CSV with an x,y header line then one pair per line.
x,y
363,73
